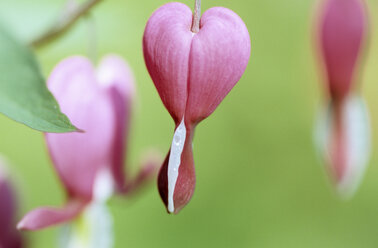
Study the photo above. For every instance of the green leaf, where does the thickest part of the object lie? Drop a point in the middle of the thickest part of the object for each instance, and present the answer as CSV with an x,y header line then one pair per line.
x,y
24,96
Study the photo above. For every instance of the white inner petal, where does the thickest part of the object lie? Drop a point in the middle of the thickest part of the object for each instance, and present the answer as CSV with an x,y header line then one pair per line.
x,y
357,137
93,229
357,133
105,76
103,186
322,131
175,161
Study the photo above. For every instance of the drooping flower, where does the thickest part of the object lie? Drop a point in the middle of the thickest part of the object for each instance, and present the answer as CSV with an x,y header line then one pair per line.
x,y
343,131
90,163
9,236
192,73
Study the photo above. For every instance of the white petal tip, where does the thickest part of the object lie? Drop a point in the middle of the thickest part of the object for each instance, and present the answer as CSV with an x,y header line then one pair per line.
x,y
356,135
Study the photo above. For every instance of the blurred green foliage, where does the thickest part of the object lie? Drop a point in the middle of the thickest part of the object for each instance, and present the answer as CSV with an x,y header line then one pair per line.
x,y
259,182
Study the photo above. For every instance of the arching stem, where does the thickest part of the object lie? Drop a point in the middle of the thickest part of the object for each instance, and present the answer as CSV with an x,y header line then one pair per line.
x,y
64,22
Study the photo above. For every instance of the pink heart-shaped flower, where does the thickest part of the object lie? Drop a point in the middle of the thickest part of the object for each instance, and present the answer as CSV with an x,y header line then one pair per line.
x,y
343,130
91,163
192,73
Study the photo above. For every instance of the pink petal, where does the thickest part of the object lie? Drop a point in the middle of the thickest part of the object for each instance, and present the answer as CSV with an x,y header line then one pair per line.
x,y
219,56
47,216
7,207
12,240
114,71
166,45
78,157
9,236
148,170
342,32
117,79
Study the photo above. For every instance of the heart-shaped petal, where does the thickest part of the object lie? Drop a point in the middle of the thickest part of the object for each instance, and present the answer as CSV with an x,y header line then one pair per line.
x,y
166,45
79,156
194,72
218,58
116,77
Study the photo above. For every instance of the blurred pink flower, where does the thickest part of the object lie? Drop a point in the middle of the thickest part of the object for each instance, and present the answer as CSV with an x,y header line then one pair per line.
x,y
9,235
90,164
343,30
343,129
192,73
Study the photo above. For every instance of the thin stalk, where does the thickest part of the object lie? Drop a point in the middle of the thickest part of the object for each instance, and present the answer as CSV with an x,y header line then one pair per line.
x,y
64,22
196,17
92,38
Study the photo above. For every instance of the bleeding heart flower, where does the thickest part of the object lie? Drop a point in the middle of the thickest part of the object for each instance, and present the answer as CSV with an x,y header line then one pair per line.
x,y
90,164
9,236
193,72
343,133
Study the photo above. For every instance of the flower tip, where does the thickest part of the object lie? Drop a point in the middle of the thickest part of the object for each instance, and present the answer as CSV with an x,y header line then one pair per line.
x,y
345,194
184,187
25,224
176,210
21,226
171,213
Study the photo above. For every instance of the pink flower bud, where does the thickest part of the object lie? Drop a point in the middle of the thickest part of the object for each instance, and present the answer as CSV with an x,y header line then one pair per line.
x,y
343,30
192,73
99,102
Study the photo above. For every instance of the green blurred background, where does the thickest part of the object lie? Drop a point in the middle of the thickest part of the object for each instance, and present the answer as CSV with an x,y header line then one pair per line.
x,y
259,181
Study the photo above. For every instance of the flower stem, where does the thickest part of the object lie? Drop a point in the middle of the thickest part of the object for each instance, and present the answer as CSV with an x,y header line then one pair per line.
x,y
196,17
92,38
64,22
